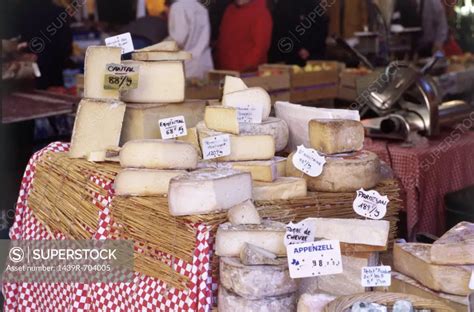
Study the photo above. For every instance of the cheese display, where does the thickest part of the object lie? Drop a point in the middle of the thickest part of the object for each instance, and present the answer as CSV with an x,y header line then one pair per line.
x,y
144,182
231,239
456,246
233,84
158,82
97,126
158,154
163,46
97,156
230,302
161,56
221,118
192,138
243,213
256,96
254,255
141,120
275,127
413,260
96,60
261,170
334,136
313,303
342,173
207,191
255,281
283,188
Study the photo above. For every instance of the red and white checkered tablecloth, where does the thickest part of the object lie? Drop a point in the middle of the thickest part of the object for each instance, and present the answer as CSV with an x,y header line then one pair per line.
x,y
428,171
143,294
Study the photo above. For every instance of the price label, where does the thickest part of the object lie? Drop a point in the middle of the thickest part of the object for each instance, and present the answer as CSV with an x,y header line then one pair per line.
x,y
216,146
370,204
249,113
314,258
123,41
173,127
376,276
302,232
308,160
121,77
471,281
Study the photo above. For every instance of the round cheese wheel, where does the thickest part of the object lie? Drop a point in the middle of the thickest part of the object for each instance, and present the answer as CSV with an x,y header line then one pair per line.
x,y
230,302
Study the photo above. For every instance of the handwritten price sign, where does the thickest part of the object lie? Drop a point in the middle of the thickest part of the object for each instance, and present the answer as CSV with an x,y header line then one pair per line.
x,y
307,160
376,276
123,41
302,232
216,146
370,204
173,127
121,77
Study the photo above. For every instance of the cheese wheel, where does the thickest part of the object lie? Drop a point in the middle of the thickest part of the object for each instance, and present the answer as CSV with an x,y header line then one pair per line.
x,y
275,127
229,302
456,246
144,182
343,173
283,188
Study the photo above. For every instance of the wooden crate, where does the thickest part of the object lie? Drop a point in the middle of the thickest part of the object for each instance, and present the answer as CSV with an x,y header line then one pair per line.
x,y
348,80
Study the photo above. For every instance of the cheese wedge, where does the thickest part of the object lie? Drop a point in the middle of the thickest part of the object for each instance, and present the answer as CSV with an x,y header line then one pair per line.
x,y
221,118
155,56
192,138
334,136
208,191
275,127
163,46
456,246
283,188
244,213
95,63
144,182
233,84
158,154
253,97
230,302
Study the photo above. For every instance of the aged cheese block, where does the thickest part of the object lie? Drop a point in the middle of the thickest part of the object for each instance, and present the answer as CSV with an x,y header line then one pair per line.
x,y
208,191
255,281
347,173
161,56
244,213
97,126
256,96
95,62
141,120
253,255
144,182
230,302
275,127
413,259
158,154
282,188
221,118
233,84
334,136
163,46
193,138
231,239
313,303
456,246
158,82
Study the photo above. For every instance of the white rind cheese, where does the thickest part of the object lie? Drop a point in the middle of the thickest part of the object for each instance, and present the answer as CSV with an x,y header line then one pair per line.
x,y
283,188
158,154
244,213
229,302
97,127
335,136
252,96
221,118
456,246
233,84
158,82
314,303
256,281
253,255
231,239
208,191
275,127
347,173
95,62
144,182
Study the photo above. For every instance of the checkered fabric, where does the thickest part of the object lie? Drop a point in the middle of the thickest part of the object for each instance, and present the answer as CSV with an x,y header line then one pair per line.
x,y
427,172
143,294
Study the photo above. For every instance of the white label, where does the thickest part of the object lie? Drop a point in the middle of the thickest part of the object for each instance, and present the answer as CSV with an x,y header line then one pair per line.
x,y
216,146
376,276
370,204
123,41
297,233
314,258
307,160
173,127
249,113
471,282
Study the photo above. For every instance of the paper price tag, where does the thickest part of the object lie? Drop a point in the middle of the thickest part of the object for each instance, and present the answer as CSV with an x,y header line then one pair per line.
x,y
370,204
173,127
249,113
216,146
123,41
376,276
471,281
302,232
314,258
121,77
308,160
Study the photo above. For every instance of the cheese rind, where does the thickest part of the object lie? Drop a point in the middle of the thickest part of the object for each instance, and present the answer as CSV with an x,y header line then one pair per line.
x,y
413,259
229,302
233,84
158,82
347,173
313,303
208,191
334,136
231,239
221,118
253,255
158,154
161,56
243,213
456,246
256,96
275,127
283,188
97,126
144,182
95,62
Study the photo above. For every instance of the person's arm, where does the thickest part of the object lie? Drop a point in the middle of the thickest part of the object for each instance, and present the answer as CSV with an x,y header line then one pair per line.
x,y
261,37
178,25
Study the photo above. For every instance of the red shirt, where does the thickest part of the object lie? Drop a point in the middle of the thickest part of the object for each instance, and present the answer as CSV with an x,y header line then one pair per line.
x,y
244,36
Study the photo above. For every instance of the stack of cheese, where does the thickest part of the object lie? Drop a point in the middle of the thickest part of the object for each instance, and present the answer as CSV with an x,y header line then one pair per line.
x,y
252,277
446,266
253,145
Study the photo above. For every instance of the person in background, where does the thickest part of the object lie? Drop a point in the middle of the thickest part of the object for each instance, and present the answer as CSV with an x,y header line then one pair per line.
x,y
189,26
244,36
